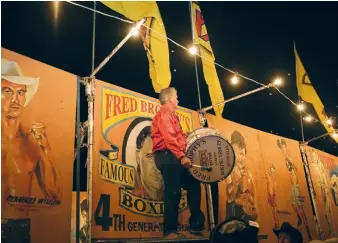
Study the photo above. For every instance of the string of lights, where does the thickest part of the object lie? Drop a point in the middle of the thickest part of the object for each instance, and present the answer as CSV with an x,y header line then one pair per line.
x,y
234,80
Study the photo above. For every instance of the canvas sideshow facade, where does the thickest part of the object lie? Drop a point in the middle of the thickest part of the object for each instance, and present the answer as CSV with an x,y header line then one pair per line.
x,y
38,104
324,176
268,183
127,186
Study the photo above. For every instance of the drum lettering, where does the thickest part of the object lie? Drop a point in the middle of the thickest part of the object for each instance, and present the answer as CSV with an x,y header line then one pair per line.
x,y
215,159
210,159
200,176
227,156
222,170
195,147
219,148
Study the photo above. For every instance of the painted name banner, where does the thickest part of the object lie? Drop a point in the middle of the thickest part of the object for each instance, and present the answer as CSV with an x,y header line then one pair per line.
x,y
118,106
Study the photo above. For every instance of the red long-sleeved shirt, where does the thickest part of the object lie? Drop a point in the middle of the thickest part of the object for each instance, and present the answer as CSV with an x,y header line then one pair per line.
x,y
167,133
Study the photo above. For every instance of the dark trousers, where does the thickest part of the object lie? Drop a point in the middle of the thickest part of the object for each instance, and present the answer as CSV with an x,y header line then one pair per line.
x,y
175,177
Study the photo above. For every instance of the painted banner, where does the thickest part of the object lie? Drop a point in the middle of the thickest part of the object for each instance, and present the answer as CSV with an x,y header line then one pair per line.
x,y
324,176
38,104
268,183
127,186
83,217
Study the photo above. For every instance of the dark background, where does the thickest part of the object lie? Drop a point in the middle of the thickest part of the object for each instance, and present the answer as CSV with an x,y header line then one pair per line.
x,y
252,38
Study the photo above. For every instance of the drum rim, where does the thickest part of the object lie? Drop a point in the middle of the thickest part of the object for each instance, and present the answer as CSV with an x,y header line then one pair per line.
x,y
232,167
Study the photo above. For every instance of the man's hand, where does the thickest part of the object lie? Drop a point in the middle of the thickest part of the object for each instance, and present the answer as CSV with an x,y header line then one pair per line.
x,y
185,161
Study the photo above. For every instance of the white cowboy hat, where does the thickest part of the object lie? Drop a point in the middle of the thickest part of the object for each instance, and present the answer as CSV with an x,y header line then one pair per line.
x,y
11,71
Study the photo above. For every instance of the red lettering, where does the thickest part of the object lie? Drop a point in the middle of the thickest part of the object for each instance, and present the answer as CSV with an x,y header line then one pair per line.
x,y
187,122
151,108
178,116
125,104
108,105
133,105
143,106
157,108
117,109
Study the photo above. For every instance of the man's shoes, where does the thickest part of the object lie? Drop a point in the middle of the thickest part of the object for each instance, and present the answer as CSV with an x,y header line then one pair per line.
x,y
197,230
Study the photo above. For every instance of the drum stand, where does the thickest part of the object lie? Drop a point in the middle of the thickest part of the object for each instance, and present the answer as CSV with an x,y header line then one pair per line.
x,y
203,120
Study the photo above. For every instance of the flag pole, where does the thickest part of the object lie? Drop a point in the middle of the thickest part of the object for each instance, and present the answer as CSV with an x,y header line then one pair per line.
x,y
300,112
301,121
202,122
306,164
196,69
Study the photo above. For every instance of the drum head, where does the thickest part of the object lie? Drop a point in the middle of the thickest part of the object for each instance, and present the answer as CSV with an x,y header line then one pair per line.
x,y
214,152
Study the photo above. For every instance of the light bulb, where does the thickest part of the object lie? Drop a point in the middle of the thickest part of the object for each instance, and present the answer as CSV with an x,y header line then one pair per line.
x,y
134,31
193,50
234,79
300,107
278,82
308,118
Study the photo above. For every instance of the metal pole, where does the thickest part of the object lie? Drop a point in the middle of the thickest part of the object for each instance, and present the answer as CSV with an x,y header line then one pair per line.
x,y
211,209
78,144
207,186
90,98
301,121
89,85
311,189
237,97
117,48
196,70
94,28
318,137
198,85
300,113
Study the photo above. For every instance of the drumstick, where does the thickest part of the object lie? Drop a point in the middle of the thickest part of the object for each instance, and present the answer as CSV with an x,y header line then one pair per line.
x,y
209,169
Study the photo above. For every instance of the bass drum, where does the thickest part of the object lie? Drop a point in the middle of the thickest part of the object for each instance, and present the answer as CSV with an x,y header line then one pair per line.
x,y
208,149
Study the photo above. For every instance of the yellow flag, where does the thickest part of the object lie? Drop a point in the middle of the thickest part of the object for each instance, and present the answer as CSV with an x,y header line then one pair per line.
x,y
154,41
307,92
201,39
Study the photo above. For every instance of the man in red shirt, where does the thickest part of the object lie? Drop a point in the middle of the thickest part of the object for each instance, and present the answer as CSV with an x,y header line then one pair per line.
x,y
169,145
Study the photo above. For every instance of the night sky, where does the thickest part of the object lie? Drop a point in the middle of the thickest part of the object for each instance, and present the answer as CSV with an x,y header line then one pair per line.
x,y
252,38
